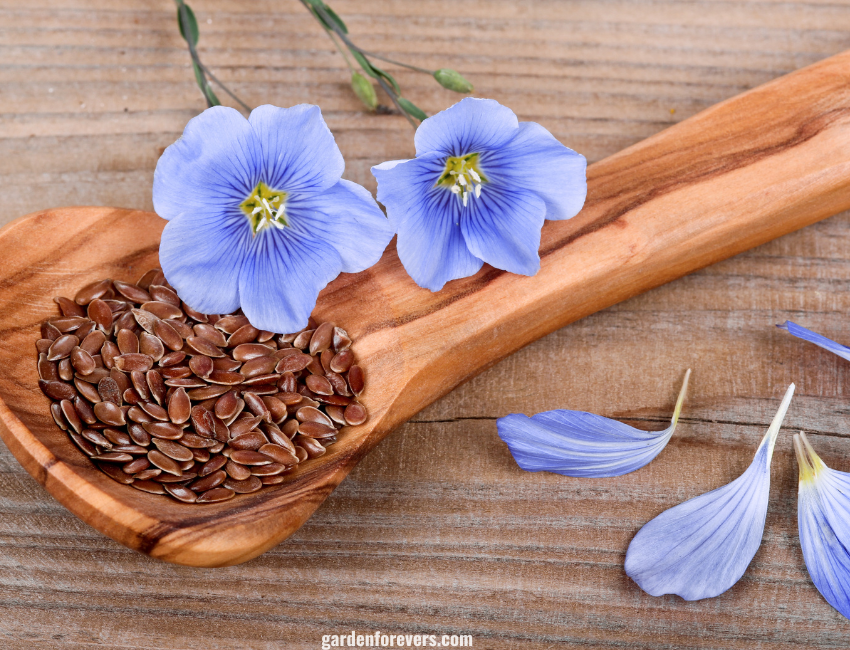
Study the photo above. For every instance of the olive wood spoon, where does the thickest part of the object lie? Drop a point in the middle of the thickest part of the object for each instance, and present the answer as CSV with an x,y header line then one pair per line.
x,y
737,175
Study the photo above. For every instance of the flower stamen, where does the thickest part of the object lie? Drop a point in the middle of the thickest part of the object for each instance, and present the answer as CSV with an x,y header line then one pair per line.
x,y
260,208
463,177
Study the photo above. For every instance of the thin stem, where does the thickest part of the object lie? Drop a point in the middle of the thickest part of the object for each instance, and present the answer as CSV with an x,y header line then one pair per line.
x,y
187,36
340,50
224,88
398,63
392,95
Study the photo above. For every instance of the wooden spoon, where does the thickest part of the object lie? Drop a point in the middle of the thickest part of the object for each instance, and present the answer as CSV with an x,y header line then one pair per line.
x,y
748,170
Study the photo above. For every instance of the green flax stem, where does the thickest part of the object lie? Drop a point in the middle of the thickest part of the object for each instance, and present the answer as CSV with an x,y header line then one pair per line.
x,y
233,95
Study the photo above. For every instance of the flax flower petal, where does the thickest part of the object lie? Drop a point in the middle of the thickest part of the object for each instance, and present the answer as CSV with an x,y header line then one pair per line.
x,y
823,517
576,443
813,337
702,547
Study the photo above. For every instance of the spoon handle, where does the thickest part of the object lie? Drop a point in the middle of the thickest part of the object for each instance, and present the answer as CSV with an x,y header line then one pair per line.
x,y
748,170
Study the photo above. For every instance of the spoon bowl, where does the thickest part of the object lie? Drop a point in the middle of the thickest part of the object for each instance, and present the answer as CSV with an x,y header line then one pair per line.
x,y
748,170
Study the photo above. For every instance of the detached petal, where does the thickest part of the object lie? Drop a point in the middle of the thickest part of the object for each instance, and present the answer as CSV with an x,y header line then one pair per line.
x,y
298,149
202,256
347,217
823,517
281,279
214,165
502,227
427,218
813,337
702,547
576,443
534,160
471,126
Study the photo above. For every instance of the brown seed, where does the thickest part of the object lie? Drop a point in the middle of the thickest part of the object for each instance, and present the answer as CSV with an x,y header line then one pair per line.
x,y
337,400
127,342
109,391
93,291
96,438
237,471
43,345
151,346
213,465
187,465
276,408
165,463
138,434
182,373
229,324
180,492
277,479
126,321
313,448
116,437
179,406
246,457
227,364
208,482
244,334
252,440
184,478
278,437
355,414
169,336
258,366
131,362
85,446
131,396
312,414
256,405
139,415
62,347
137,465
341,340
271,469
115,473
87,390
243,426
208,392
164,294
264,336
290,428
216,495
290,399
184,330
109,413
264,389
140,383
197,442
194,315
58,418
146,319
65,325
164,430
50,332
226,406
203,346
84,410
82,361
148,278
47,370
210,333
263,384
338,383
248,351
156,385
251,484
356,379
121,379
162,310
71,416
93,342
316,430
100,313
114,457
315,367
302,454
225,378
319,384
171,358
148,486
173,449
322,338
57,389
109,352
201,365
131,291
279,454
66,370
302,341
147,474
117,306
155,411
69,307
203,422
130,449
293,363
200,455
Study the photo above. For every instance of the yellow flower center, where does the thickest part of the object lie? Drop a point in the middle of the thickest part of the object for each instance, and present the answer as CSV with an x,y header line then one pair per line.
x,y
463,177
265,208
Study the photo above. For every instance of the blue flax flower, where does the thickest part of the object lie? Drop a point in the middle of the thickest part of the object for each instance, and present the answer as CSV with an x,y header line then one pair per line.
x,y
576,443
703,546
813,337
823,517
258,217
478,191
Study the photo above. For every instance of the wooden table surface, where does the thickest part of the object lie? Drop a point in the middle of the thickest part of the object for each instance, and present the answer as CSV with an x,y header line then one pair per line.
x,y
438,531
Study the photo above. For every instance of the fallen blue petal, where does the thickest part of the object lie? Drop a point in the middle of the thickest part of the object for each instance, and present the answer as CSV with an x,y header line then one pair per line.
x,y
813,337
576,443
702,547
823,517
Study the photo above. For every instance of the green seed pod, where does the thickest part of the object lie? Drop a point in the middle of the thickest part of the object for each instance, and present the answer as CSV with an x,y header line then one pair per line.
x,y
453,80
364,90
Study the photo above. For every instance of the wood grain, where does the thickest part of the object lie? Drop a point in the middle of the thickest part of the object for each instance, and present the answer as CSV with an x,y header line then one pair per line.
x,y
437,530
